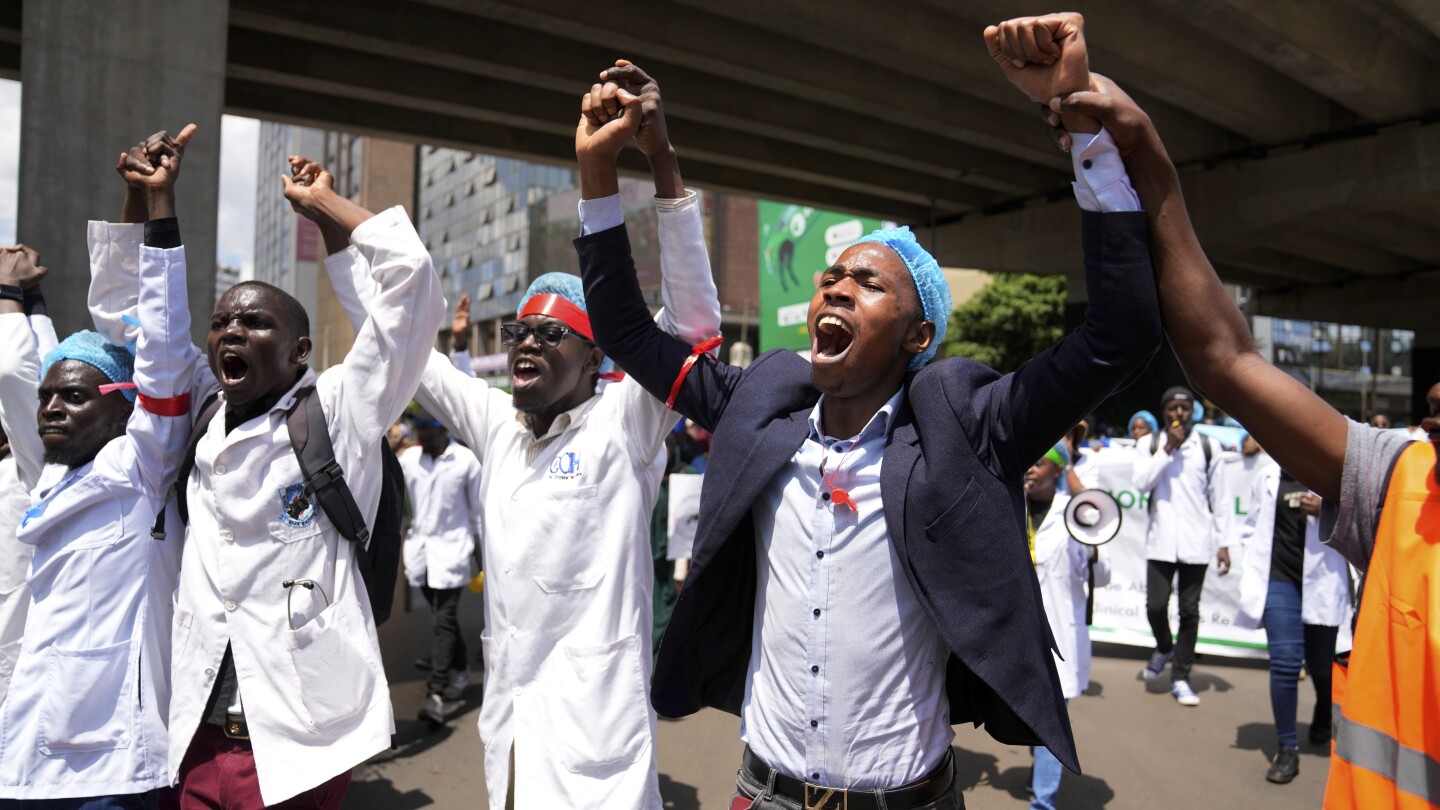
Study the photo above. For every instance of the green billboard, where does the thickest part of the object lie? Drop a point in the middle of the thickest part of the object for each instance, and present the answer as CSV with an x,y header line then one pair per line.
x,y
797,243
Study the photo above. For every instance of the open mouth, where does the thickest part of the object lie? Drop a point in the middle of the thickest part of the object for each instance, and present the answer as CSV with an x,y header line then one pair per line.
x,y
233,369
832,338
524,372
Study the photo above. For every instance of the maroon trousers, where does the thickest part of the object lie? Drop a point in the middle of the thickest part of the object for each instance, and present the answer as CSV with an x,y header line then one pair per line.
x,y
218,773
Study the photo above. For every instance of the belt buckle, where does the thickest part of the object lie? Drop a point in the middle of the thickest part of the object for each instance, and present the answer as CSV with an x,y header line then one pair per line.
x,y
820,798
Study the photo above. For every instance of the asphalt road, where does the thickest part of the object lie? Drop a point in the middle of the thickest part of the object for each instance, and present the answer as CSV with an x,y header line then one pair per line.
x,y
1139,749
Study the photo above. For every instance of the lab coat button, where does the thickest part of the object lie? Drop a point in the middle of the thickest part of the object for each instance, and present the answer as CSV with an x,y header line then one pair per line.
x,y
519,691
230,605
219,469
227,536
509,570
209,671
514,631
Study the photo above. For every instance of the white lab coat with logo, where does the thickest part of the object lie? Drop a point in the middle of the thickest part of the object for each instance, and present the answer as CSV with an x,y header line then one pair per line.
x,y
310,676
568,563
86,713
1325,581
445,504
1062,566
14,500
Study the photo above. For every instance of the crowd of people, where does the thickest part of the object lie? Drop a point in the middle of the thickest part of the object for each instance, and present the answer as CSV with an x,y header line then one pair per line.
x,y
880,554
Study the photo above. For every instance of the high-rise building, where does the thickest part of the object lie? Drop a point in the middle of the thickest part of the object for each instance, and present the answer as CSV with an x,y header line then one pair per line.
x,y
476,218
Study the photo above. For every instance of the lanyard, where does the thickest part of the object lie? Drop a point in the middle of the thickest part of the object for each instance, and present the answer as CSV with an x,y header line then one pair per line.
x,y
838,494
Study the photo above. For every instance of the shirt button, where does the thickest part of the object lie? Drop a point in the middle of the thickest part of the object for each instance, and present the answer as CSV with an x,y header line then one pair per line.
x,y
814,723
819,555
229,605
209,671
815,669
817,613
815,775
824,496
1087,163
219,469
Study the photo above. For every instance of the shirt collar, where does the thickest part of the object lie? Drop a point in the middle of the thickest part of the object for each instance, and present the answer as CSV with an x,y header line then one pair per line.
x,y
879,424
562,423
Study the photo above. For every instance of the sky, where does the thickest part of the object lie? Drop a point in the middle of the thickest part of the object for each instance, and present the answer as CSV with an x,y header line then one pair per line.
x,y
239,149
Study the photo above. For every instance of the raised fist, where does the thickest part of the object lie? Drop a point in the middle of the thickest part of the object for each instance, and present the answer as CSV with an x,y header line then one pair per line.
x,y
1042,56
154,163
609,117
20,267
652,137
306,185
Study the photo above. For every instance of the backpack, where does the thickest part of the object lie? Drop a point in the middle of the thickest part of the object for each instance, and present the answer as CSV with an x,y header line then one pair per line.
x,y
1204,447
325,482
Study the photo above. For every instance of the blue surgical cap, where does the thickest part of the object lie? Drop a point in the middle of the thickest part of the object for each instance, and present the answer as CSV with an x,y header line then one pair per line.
x,y
562,284
90,347
1149,420
929,283
568,287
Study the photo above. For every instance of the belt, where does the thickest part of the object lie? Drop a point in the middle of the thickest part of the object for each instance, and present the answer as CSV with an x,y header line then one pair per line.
x,y
234,727
919,793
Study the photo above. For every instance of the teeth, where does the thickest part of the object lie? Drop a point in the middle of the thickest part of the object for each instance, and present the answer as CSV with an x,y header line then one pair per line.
x,y
831,320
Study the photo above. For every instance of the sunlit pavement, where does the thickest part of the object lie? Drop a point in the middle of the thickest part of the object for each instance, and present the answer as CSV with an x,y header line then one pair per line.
x,y
1138,747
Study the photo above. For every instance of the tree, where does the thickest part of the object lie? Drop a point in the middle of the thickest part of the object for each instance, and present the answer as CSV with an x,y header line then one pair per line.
x,y
1009,321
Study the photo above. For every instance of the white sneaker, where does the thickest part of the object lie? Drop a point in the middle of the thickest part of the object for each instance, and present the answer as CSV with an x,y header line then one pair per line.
x,y
434,708
1184,695
458,681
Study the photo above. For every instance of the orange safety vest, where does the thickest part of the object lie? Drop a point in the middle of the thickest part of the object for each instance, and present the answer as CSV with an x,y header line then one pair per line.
x,y
1386,752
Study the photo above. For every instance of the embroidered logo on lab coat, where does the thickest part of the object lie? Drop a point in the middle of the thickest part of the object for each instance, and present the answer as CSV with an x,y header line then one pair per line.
x,y
296,507
565,466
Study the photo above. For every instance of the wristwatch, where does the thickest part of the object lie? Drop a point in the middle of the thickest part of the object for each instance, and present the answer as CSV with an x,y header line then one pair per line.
x,y
13,293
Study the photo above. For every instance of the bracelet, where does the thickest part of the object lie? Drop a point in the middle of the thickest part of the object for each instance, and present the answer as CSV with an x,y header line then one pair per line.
x,y
12,293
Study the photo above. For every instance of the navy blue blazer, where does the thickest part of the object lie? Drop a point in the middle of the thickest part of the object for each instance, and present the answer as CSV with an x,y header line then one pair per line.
x,y
951,483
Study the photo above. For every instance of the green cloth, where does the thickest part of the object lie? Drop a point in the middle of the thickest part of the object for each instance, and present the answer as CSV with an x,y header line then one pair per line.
x,y
665,593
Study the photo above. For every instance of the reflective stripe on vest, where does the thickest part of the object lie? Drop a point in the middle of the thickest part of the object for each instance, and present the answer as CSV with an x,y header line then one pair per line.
x,y
1387,729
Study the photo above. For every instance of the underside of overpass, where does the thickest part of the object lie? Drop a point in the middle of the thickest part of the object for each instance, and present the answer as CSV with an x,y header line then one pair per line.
x,y
1308,131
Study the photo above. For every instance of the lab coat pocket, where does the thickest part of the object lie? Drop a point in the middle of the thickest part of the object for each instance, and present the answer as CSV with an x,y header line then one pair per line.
x,y
287,533
564,524
88,704
602,706
332,664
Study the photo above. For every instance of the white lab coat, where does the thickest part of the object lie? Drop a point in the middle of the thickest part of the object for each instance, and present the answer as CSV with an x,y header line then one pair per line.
x,y
86,712
1062,566
311,680
1325,581
14,500
568,565
445,504
1187,513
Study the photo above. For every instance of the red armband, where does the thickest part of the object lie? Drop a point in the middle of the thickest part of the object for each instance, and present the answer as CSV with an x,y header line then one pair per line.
x,y
700,348
166,406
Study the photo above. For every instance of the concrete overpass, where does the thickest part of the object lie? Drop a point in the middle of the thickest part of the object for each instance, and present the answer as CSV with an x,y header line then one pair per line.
x,y
1307,131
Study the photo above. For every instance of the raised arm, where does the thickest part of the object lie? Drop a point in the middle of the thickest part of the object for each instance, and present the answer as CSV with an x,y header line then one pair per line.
x,y
611,115
1040,401
383,368
20,363
1207,331
165,359
460,336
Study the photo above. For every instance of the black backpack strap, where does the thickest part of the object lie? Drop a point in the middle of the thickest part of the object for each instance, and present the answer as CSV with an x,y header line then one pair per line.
x,y
197,432
324,480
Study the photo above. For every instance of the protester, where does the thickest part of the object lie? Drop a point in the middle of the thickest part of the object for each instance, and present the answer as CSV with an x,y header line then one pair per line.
x,y
793,521
1182,472
1381,493
1064,567
443,481
1299,591
278,688
570,480
84,723
1142,424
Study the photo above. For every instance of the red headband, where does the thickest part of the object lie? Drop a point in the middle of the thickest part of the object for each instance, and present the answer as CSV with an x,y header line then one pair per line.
x,y
553,306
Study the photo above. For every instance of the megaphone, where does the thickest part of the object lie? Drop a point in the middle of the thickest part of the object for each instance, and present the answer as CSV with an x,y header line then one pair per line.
x,y
1093,517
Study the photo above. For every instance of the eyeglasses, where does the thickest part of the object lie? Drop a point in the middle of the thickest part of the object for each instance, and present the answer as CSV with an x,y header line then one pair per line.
x,y
548,334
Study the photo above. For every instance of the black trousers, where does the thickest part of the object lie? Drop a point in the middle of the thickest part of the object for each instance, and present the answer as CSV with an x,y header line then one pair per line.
x,y
447,650
1158,587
